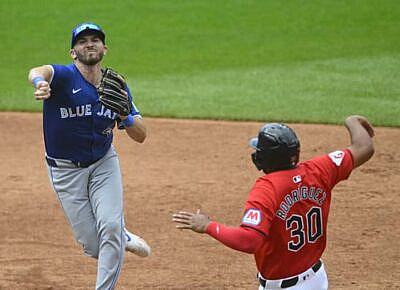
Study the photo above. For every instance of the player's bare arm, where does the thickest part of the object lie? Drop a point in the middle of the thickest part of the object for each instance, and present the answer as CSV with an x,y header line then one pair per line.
x,y
138,130
361,133
40,78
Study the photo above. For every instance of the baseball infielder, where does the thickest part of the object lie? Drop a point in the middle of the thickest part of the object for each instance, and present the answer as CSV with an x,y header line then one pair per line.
x,y
285,216
83,166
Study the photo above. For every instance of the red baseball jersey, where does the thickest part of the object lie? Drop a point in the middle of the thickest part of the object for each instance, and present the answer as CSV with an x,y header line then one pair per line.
x,y
290,208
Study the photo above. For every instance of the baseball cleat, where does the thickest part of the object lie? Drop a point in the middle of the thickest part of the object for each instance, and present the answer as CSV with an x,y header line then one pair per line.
x,y
136,244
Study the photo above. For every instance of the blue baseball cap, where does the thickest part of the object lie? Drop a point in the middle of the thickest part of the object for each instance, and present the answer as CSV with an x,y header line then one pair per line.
x,y
87,26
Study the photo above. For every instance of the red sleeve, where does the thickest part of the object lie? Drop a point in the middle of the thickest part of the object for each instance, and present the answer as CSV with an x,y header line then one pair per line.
x,y
238,238
260,207
335,167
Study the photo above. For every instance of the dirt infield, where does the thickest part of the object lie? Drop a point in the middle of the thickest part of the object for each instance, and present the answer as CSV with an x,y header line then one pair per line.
x,y
189,165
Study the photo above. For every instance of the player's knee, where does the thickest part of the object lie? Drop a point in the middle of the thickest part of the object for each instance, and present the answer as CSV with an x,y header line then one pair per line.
x,y
111,230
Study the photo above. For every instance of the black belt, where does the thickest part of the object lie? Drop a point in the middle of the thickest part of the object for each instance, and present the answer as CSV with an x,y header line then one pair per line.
x,y
81,164
292,281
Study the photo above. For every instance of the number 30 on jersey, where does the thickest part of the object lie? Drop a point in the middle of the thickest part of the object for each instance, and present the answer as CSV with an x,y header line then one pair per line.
x,y
304,230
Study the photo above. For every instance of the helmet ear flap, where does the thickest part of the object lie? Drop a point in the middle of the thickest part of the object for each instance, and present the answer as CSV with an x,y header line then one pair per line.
x,y
294,159
256,160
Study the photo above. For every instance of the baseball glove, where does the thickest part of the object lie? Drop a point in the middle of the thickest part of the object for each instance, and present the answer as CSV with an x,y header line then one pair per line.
x,y
111,93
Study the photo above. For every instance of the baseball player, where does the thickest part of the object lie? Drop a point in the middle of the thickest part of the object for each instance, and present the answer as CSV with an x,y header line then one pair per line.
x,y
285,216
83,166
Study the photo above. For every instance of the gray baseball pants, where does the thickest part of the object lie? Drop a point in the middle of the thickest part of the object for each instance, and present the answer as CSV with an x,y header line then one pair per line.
x,y
92,200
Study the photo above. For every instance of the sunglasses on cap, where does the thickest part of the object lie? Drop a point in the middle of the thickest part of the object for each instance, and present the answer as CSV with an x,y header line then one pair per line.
x,y
87,26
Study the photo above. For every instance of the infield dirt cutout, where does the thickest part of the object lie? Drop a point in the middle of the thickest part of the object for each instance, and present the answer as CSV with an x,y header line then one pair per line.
x,y
186,165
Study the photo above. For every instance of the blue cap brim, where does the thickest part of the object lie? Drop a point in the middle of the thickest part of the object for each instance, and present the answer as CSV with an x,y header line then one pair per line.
x,y
253,142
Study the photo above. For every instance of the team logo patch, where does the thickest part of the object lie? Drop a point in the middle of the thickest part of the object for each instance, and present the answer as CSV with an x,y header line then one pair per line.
x,y
107,131
252,217
337,157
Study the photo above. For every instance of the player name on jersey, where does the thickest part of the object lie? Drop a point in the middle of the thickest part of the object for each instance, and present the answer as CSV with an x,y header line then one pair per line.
x,y
85,110
316,195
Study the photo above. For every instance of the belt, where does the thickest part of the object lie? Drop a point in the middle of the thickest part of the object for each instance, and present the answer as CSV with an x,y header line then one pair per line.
x,y
286,283
59,163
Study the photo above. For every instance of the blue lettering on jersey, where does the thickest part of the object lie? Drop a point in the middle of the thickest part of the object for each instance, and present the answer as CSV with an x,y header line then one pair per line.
x,y
76,125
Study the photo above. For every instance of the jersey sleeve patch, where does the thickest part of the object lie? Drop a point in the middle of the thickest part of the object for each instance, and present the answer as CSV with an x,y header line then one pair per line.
x,y
252,217
337,157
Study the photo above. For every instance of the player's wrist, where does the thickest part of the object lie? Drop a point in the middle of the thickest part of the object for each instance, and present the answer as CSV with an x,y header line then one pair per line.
x,y
210,227
128,121
36,80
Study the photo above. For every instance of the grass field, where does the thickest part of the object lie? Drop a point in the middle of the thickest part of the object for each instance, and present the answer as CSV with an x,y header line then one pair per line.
x,y
293,61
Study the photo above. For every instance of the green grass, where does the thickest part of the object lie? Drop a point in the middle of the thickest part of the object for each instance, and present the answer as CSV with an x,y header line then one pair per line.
x,y
289,60
326,95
